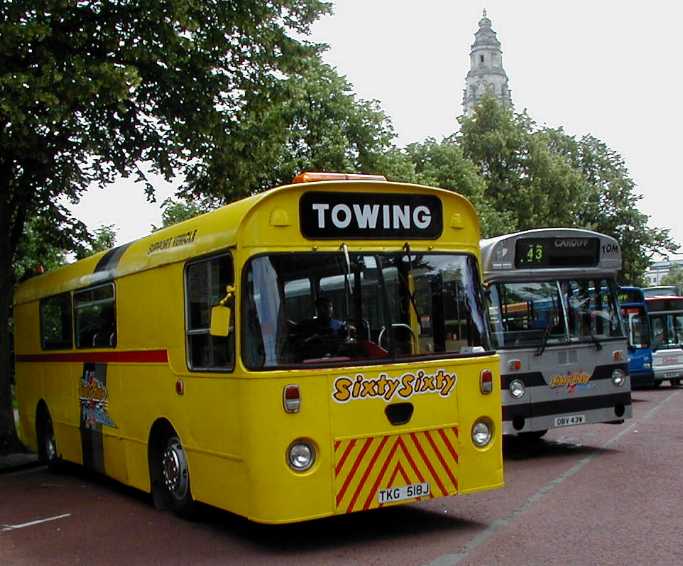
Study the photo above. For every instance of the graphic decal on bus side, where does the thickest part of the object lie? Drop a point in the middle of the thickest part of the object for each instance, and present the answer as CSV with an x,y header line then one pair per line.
x,y
569,380
386,387
93,398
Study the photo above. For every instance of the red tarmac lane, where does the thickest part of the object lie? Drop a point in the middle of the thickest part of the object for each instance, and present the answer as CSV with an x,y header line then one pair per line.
x,y
596,494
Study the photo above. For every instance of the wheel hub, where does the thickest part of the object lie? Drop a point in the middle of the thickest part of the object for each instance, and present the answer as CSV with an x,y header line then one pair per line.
x,y
174,470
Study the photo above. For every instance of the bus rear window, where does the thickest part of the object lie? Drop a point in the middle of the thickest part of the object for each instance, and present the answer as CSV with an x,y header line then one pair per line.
x,y
55,322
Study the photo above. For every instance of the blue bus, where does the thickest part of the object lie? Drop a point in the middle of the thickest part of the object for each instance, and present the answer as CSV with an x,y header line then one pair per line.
x,y
634,314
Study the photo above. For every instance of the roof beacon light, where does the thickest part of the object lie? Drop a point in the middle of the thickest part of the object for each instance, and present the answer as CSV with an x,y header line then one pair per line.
x,y
310,177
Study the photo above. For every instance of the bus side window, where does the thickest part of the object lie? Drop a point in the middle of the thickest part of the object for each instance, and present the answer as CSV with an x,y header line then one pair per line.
x,y
55,322
95,316
206,280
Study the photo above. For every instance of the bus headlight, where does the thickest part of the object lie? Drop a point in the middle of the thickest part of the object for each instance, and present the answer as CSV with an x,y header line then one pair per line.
x,y
481,433
300,455
618,377
517,389
647,365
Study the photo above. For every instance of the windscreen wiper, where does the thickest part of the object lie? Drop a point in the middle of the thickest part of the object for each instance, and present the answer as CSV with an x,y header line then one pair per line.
x,y
598,345
544,342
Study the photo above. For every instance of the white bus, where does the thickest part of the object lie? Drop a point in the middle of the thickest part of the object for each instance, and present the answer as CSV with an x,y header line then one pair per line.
x,y
555,321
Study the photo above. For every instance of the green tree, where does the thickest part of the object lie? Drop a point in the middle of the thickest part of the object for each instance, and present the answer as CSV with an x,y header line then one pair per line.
x,y
319,125
442,164
610,203
524,180
92,90
103,239
174,211
674,277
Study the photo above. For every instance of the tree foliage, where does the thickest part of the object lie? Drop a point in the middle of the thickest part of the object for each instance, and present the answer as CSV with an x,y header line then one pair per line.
x,y
442,164
92,90
674,277
543,177
319,125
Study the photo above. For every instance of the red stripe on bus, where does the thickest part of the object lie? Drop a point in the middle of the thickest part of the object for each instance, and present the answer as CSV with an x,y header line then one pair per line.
x,y
340,465
441,458
429,464
454,454
365,475
139,356
352,473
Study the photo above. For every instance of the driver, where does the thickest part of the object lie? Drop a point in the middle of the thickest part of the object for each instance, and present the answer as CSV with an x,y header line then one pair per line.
x,y
324,322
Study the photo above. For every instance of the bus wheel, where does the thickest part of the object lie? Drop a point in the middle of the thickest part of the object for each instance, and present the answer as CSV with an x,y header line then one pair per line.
x,y
175,477
675,382
47,446
532,435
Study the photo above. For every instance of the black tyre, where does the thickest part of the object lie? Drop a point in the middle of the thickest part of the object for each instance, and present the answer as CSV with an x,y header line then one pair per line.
x,y
175,477
47,445
656,384
676,382
532,435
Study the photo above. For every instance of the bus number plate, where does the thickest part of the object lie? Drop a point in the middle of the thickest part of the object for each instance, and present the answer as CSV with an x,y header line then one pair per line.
x,y
570,420
404,492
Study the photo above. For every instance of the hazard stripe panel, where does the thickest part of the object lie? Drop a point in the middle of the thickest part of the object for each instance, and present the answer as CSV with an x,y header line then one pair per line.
x,y
364,466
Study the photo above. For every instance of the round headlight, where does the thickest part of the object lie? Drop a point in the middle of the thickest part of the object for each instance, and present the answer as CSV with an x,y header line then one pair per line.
x,y
481,434
517,389
618,377
300,456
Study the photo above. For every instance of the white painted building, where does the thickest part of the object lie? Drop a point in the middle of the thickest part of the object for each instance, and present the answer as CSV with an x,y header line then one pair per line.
x,y
659,269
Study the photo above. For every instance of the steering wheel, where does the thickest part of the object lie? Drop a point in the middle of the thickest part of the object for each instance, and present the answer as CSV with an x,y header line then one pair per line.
x,y
413,338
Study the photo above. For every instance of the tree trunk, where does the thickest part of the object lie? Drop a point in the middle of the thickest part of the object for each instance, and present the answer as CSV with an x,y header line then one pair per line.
x,y
8,437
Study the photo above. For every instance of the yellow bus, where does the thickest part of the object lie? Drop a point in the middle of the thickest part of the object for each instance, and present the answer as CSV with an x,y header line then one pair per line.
x,y
312,350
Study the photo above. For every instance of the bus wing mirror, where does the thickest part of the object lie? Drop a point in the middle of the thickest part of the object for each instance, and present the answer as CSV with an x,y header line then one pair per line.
x,y
220,321
221,314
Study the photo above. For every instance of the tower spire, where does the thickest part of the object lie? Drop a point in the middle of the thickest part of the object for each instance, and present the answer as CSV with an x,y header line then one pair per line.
x,y
486,74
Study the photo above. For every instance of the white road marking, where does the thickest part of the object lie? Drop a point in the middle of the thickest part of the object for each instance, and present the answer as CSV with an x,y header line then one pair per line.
x,y
487,533
6,528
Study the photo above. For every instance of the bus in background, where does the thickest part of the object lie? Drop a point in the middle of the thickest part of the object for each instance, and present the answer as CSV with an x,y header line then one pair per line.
x,y
666,327
634,315
556,324
312,350
662,291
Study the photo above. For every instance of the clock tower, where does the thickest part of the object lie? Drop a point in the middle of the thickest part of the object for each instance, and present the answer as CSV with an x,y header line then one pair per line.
x,y
486,74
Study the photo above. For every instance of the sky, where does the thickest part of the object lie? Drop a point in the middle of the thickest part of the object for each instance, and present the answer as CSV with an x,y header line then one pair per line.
x,y
609,68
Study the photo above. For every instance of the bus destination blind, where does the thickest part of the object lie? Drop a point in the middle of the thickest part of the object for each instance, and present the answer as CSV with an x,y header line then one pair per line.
x,y
538,253
367,216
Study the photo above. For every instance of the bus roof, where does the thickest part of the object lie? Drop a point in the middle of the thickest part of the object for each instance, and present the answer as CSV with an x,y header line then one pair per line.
x,y
237,226
576,251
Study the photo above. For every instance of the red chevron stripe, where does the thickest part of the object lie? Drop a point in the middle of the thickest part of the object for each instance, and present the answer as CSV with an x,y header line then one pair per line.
x,y
368,469
411,461
428,463
399,468
449,446
387,461
337,444
363,450
340,465
440,457
455,430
